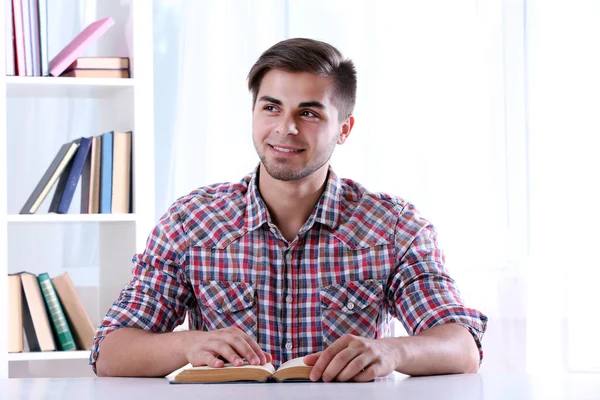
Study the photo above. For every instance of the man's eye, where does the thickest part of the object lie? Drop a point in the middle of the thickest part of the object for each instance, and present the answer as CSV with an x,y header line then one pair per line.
x,y
308,113
270,108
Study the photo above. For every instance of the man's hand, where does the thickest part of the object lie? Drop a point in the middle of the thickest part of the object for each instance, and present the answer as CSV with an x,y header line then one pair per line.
x,y
231,344
354,358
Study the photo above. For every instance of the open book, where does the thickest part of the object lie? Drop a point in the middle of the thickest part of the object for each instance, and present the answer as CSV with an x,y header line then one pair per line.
x,y
294,369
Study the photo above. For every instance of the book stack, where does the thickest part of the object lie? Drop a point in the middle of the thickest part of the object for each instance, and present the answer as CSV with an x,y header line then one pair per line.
x,y
104,165
49,312
98,67
26,45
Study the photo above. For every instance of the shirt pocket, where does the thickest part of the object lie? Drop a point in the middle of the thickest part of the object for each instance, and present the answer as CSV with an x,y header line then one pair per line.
x,y
350,308
226,304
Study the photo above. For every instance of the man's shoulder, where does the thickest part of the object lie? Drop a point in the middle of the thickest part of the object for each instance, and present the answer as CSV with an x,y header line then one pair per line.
x,y
211,195
214,212
356,196
368,218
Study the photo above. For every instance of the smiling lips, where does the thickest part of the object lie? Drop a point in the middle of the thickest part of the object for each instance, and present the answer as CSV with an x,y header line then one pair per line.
x,y
286,150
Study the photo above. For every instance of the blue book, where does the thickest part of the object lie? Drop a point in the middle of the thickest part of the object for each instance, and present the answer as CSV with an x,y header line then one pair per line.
x,y
65,190
106,173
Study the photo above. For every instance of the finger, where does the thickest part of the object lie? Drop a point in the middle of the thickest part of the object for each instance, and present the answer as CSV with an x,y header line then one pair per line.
x,y
256,350
269,357
207,358
326,357
354,367
247,346
226,351
367,375
338,363
213,361
311,359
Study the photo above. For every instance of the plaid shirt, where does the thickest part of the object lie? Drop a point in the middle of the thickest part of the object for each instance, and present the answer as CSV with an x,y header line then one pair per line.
x,y
360,259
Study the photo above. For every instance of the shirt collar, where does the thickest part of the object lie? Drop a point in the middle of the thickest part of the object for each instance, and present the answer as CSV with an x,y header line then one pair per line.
x,y
326,211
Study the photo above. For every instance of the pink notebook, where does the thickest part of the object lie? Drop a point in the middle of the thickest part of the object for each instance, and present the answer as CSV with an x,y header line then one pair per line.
x,y
78,45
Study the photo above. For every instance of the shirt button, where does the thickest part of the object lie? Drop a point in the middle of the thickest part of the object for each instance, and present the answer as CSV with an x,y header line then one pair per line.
x,y
350,305
288,345
288,298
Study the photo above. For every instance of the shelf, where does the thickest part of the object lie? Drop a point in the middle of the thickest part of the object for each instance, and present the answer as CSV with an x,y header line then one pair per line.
x,y
49,355
30,86
53,218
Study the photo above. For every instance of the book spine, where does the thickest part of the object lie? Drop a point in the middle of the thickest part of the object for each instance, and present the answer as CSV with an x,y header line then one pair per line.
x,y
9,38
56,313
74,173
35,38
19,37
106,174
43,19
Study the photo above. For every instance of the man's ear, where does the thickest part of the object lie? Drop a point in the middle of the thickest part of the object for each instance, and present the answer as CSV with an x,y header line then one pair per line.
x,y
346,129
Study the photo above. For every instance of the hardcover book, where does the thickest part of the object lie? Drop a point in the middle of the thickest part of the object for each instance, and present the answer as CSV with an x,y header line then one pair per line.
x,y
58,165
293,370
79,321
78,45
100,63
56,313
106,165
35,317
96,73
65,190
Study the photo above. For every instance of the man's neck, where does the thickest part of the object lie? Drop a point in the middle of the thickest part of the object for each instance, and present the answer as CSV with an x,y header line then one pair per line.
x,y
291,203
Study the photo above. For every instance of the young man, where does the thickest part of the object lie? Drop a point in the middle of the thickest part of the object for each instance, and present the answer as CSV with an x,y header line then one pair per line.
x,y
292,261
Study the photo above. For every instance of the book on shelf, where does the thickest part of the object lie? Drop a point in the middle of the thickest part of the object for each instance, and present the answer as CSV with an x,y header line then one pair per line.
x,y
17,14
90,179
62,331
81,325
49,311
27,39
78,45
121,172
9,39
34,30
292,370
96,73
15,315
106,164
67,183
43,28
58,165
99,63
35,317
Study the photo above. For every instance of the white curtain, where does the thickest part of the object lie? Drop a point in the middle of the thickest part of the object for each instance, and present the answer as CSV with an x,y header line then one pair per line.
x,y
466,108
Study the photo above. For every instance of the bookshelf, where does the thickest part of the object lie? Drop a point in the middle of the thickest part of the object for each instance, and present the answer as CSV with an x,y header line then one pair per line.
x,y
37,115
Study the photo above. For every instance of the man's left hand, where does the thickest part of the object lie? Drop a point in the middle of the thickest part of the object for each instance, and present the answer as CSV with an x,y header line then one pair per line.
x,y
353,358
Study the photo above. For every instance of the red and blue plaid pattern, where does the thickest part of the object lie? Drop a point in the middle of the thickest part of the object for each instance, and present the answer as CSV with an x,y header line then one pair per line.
x,y
360,259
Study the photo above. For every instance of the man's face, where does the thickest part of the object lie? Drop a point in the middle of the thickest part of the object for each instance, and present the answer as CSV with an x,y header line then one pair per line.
x,y
295,125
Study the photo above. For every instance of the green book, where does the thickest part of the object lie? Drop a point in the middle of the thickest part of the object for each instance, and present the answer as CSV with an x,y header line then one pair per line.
x,y
56,314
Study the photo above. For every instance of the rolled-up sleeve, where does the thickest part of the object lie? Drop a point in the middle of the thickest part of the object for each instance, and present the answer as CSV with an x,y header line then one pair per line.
x,y
159,293
422,293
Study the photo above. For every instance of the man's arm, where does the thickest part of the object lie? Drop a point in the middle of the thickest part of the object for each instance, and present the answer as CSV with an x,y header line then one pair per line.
x,y
136,352
443,349
136,339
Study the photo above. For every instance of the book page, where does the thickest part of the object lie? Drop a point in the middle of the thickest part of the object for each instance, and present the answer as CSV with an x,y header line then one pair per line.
x,y
295,362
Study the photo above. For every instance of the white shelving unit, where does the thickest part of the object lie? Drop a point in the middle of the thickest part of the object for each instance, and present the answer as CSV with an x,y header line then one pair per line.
x,y
116,104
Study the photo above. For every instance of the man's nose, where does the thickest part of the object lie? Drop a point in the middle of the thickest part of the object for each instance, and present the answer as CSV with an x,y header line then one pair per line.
x,y
287,126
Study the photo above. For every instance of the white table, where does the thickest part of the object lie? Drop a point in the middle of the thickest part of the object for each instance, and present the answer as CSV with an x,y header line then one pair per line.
x,y
396,386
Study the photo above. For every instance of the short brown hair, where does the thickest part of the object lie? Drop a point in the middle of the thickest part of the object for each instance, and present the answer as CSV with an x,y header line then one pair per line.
x,y
308,55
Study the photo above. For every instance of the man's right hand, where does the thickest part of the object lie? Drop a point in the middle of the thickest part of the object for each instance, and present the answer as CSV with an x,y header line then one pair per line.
x,y
232,344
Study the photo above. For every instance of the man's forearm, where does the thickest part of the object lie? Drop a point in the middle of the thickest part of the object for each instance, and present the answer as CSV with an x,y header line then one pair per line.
x,y
135,352
443,349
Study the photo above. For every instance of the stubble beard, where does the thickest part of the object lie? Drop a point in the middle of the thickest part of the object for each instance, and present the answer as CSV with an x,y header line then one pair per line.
x,y
283,172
